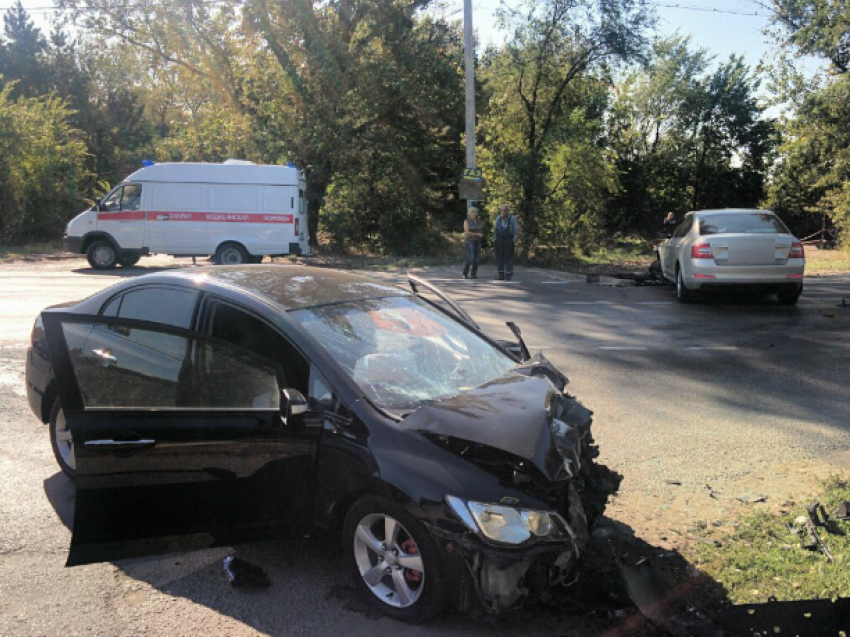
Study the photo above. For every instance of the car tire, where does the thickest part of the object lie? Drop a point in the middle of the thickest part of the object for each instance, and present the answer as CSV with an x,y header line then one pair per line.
x,y
683,294
129,261
231,253
61,441
102,255
401,592
789,298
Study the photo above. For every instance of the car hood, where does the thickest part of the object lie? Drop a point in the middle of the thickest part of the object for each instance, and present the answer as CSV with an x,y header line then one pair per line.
x,y
523,414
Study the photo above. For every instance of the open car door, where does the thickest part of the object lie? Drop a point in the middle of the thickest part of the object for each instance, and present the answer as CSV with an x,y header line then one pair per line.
x,y
162,421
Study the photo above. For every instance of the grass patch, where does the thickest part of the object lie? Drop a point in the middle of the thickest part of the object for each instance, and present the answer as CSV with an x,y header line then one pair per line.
x,y
827,261
46,247
761,557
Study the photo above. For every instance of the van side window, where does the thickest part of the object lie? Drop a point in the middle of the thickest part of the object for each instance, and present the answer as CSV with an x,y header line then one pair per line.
x,y
113,202
131,198
240,328
127,197
169,306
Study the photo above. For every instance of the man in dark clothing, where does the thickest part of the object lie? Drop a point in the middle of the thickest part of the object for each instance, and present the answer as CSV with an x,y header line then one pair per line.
x,y
505,235
670,224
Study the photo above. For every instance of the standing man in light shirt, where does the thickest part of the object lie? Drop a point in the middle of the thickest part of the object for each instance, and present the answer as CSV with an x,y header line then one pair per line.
x,y
473,233
505,235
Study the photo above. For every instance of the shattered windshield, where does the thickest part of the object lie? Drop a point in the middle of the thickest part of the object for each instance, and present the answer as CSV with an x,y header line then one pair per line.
x,y
401,350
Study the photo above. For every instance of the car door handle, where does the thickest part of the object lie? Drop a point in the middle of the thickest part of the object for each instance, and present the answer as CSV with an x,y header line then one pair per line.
x,y
121,445
105,356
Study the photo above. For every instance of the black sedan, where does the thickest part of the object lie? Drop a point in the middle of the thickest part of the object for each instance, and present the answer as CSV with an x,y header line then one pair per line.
x,y
217,406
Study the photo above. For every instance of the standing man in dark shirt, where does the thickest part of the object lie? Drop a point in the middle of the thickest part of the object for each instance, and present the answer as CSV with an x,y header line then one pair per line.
x,y
505,235
670,224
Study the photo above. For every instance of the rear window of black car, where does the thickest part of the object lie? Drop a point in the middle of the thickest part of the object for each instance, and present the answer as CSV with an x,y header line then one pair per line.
x,y
169,306
741,223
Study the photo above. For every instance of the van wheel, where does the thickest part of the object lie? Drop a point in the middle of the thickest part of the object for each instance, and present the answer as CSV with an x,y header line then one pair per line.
x,y
102,255
231,254
62,442
129,261
394,561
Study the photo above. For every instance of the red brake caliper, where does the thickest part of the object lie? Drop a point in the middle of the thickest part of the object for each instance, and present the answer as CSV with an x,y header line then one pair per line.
x,y
409,546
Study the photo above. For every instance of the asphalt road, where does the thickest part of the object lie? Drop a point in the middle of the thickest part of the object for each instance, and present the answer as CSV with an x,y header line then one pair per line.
x,y
733,396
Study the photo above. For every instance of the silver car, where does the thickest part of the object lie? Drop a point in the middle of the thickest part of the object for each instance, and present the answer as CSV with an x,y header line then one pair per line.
x,y
746,248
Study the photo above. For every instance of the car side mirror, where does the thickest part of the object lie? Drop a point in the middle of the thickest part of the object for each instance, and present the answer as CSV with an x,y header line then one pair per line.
x,y
96,204
294,406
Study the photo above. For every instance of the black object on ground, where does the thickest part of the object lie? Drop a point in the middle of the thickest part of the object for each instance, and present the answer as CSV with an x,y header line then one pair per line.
x,y
804,618
242,573
842,511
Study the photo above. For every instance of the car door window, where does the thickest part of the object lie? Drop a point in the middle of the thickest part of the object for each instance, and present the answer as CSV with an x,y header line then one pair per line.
x,y
234,325
148,368
169,306
684,227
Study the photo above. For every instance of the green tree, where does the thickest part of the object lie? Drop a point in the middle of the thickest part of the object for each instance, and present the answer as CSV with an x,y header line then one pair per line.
x,y
686,138
22,53
541,82
42,166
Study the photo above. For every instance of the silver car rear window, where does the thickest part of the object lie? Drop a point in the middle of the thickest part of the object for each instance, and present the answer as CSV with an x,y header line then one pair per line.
x,y
741,223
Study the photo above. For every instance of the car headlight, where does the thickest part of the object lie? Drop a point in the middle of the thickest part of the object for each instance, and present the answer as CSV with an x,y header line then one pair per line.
x,y
507,524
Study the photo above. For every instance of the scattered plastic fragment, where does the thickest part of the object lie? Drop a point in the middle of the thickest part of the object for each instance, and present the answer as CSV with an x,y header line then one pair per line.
x,y
242,573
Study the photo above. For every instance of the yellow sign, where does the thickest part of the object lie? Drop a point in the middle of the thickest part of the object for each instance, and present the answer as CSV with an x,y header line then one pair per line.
x,y
473,173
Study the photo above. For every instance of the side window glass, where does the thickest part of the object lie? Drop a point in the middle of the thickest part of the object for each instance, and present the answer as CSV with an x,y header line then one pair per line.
x,y
321,396
684,227
113,202
168,306
148,369
131,199
236,326
111,308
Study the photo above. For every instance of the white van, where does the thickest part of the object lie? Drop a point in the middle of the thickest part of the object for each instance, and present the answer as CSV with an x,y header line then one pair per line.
x,y
237,211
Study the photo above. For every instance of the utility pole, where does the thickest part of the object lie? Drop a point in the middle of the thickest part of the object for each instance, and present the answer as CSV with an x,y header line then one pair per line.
x,y
469,63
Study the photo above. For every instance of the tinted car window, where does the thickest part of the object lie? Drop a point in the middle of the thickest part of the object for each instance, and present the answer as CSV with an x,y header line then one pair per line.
x,y
147,369
684,227
236,326
743,223
169,306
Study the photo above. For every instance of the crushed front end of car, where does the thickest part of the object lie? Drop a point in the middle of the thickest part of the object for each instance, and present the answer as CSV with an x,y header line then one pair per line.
x,y
535,440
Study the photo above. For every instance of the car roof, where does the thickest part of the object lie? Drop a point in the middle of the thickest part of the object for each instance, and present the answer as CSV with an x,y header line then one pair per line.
x,y
290,286
731,211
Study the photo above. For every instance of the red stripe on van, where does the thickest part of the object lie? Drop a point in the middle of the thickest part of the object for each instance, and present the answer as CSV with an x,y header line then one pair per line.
x,y
120,216
220,217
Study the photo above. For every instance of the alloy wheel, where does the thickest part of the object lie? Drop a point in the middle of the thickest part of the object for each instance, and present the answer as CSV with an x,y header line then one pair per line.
x,y
389,560
64,441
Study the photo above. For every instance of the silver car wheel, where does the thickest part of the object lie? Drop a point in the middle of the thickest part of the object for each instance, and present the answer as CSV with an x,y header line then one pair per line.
x,y
392,569
64,440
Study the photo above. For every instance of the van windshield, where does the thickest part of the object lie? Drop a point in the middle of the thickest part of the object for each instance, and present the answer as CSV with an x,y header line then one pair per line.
x,y
401,351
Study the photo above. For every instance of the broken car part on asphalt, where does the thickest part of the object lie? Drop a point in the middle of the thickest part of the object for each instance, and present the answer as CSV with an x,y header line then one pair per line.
x,y
242,573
